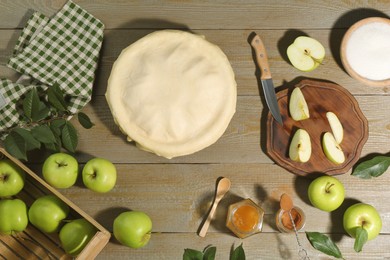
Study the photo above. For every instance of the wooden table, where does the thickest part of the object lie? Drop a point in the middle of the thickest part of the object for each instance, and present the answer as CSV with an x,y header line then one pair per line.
x,y
177,193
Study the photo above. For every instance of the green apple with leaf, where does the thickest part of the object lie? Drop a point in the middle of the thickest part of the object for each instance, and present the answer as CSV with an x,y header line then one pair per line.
x,y
13,216
133,228
60,170
362,215
75,235
47,212
11,178
99,175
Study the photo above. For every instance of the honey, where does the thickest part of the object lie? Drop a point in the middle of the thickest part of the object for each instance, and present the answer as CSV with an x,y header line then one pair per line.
x,y
245,218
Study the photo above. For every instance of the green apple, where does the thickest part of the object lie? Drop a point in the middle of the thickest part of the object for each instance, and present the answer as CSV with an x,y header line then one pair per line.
x,y
306,53
133,228
332,149
47,212
365,216
75,235
300,146
60,170
326,193
99,175
297,106
11,178
13,216
336,126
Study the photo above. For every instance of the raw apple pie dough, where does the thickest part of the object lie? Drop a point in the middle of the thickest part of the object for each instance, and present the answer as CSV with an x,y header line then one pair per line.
x,y
172,92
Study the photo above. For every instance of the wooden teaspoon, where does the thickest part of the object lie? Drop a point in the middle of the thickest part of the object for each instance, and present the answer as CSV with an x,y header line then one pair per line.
x,y
223,187
287,205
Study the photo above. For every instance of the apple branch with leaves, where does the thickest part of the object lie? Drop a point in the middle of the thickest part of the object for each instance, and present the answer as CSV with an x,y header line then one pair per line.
x,y
44,124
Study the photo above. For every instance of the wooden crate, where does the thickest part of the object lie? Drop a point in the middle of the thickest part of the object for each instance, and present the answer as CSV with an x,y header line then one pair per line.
x,y
34,244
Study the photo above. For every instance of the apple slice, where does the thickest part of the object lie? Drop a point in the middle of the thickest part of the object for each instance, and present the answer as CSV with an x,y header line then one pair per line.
x,y
306,53
297,106
300,146
332,149
336,126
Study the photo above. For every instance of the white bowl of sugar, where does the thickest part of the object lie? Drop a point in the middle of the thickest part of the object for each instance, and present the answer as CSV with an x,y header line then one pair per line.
x,y
365,51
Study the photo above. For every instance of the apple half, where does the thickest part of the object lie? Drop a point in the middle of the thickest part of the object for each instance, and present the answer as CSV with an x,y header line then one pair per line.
x,y
306,53
300,146
336,126
332,149
297,106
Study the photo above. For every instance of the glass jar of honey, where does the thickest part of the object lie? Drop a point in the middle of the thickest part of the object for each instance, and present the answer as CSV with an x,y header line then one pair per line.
x,y
283,220
245,218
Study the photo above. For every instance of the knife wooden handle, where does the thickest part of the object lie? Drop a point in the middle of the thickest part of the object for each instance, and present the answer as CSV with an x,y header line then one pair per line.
x,y
261,57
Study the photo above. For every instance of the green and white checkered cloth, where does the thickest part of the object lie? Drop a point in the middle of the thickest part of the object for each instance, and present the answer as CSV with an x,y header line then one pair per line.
x,y
61,50
11,103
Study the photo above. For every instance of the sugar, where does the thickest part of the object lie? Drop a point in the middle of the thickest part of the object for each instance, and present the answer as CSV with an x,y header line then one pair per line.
x,y
368,51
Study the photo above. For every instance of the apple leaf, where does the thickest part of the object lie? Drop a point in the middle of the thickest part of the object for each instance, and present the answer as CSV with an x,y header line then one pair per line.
x,y
43,134
56,146
238,253
209,253
69,137
33,108
56,98
361,239
84,120
42,113
16,146
56,126
31,142
372,168
31,103
323,244
191,254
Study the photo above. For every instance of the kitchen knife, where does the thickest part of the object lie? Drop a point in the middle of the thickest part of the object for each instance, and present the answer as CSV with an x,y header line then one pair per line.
x,y
266,79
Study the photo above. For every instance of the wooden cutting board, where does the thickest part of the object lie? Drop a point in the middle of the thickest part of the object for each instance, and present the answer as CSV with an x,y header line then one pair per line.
x,y
321,97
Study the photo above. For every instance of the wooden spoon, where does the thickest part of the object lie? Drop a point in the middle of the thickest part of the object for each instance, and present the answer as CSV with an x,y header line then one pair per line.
x,y
223,187
286,202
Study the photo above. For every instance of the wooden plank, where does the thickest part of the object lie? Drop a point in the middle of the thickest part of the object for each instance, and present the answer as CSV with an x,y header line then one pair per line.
x,y
18,245
207,14
178,196
265,246
6,252
235,45
243,141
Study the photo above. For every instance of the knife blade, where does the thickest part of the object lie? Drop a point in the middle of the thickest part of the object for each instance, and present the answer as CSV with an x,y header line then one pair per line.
x,y
266,79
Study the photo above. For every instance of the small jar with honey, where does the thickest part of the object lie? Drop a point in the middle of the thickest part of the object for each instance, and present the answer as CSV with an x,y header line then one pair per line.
x,y
283,220
245,218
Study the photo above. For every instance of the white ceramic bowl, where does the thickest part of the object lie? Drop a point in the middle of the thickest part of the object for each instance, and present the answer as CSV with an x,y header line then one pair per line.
x,y
344,49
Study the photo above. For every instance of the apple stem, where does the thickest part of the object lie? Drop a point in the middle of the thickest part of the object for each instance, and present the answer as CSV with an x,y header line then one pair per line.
x,y
4,177
328,186
62,164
